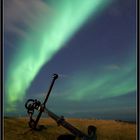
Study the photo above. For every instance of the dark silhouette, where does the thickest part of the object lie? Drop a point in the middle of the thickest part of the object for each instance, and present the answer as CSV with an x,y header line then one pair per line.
x,y
66,137
92,132
32,105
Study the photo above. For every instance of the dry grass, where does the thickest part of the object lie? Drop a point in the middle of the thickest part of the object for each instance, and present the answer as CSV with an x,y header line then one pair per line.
x,y
17,129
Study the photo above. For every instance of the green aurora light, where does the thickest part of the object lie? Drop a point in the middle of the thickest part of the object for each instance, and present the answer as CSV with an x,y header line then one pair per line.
x,y
51,33
110,83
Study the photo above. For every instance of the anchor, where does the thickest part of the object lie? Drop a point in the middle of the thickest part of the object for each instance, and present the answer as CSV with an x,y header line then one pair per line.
x,y
34,104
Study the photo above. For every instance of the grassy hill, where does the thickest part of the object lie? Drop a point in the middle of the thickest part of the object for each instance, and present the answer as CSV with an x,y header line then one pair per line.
x,y
17,129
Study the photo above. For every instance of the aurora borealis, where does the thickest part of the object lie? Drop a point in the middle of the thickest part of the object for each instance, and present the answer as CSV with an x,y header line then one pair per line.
x,y
67,16
86,42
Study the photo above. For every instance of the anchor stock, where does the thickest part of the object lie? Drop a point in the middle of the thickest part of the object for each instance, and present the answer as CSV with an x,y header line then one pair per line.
x,y
35,104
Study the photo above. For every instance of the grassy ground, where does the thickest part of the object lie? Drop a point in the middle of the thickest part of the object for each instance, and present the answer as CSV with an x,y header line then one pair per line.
x,y
17,129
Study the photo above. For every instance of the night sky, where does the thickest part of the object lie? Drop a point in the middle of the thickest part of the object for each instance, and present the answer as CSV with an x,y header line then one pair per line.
x,y
91,45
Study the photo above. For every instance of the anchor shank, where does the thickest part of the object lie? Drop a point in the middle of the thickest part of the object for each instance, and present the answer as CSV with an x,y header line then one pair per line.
x,y
61,121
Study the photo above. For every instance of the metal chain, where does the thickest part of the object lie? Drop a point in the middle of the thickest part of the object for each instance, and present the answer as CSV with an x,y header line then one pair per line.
x,y
31,105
